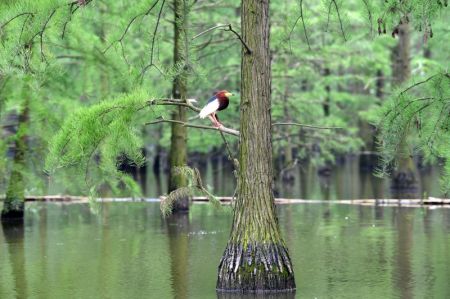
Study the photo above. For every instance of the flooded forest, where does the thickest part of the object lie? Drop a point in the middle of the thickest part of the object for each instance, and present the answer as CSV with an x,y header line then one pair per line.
x,y
299,147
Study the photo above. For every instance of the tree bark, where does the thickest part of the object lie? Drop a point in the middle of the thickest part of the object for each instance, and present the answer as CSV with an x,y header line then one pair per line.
x,y
404,181
14,204
178,141
256,258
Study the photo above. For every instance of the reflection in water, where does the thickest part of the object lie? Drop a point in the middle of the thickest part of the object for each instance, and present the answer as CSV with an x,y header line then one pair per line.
x,y
129,251
403,276
290,295
14,238
343,181
178,230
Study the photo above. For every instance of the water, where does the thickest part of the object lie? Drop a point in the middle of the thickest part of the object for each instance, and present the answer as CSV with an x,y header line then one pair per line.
x,y
129,251
345,181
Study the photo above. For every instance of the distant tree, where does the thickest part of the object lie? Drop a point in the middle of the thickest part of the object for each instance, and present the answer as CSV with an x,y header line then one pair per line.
x,y
178,139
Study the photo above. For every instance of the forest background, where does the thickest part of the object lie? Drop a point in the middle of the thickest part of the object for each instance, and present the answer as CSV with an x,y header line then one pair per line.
x,y
335,75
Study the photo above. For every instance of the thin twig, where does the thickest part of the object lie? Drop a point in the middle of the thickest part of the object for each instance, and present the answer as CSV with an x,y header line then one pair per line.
x,y
15,17
306,126
418,83
153,44
340,20
370,16
227,27
129,25
303,24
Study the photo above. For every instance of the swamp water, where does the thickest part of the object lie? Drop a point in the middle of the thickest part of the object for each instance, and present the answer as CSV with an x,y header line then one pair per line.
x,y
128,250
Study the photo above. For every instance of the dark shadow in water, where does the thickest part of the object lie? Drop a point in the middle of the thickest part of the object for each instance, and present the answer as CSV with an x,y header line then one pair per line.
x,y
178,233
289,295
14,236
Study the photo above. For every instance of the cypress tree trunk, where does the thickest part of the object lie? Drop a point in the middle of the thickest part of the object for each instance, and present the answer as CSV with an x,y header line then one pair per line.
x,y
178,141
368,160
256,258
404,180
13,206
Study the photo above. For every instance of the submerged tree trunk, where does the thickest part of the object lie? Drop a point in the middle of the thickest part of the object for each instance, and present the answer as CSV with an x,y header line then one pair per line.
x,y
178,141
404,181
256,258
13,206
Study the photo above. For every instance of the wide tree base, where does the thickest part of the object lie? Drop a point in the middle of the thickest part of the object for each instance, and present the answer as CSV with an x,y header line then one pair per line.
x,y
404,185
257,268
13,212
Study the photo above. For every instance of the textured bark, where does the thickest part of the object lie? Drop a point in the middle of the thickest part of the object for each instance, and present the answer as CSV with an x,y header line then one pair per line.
x,y
404,182
14,204
256,258
178,141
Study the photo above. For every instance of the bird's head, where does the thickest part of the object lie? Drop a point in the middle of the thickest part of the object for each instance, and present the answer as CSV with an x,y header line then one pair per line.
x,y
223,94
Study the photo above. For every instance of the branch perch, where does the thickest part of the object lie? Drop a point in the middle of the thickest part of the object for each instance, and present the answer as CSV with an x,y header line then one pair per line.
x,y
185,124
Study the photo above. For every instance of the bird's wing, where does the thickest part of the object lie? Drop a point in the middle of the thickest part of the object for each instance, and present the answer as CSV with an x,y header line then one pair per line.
x,y
211,107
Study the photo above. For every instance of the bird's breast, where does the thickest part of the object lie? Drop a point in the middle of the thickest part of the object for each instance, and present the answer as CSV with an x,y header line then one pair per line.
x,y
223,103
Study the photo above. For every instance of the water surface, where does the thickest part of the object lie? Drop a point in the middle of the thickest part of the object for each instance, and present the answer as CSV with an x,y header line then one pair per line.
x,y
129,251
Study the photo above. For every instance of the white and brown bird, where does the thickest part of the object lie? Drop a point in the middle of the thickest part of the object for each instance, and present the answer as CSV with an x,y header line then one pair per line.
x,y
219,101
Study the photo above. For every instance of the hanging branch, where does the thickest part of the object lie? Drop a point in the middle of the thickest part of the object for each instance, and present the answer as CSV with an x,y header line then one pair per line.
x,y
129,25
303,24
227,27
339,18
153,43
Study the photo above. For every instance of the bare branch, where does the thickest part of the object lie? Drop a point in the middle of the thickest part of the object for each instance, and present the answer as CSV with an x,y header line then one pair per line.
x,y
153,42
209,29
185,124
303,23
227,27
307,126
129,25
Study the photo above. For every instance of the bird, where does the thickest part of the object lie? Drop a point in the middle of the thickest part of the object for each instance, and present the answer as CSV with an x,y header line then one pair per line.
x,y
219,101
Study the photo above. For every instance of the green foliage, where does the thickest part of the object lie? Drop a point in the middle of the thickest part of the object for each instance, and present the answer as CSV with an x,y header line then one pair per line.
x,y
72,56
103,135
195,185
424,107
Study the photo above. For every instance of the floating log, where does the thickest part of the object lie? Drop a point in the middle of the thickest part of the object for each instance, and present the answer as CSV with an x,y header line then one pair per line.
x,y
430,201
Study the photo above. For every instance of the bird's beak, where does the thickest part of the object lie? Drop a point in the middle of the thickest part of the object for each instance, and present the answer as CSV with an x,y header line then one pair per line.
x,y
228,94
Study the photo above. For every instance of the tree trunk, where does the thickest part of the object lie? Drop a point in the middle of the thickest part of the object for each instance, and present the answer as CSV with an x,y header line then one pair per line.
x,y
256,258
178,141
404,182
368,160
13,206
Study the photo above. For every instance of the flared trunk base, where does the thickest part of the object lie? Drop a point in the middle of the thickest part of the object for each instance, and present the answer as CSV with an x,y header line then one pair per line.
x,y
13,211
257,268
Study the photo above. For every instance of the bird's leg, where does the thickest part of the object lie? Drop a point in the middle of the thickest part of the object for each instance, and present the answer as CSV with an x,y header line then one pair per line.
x,y
213,120
218,124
